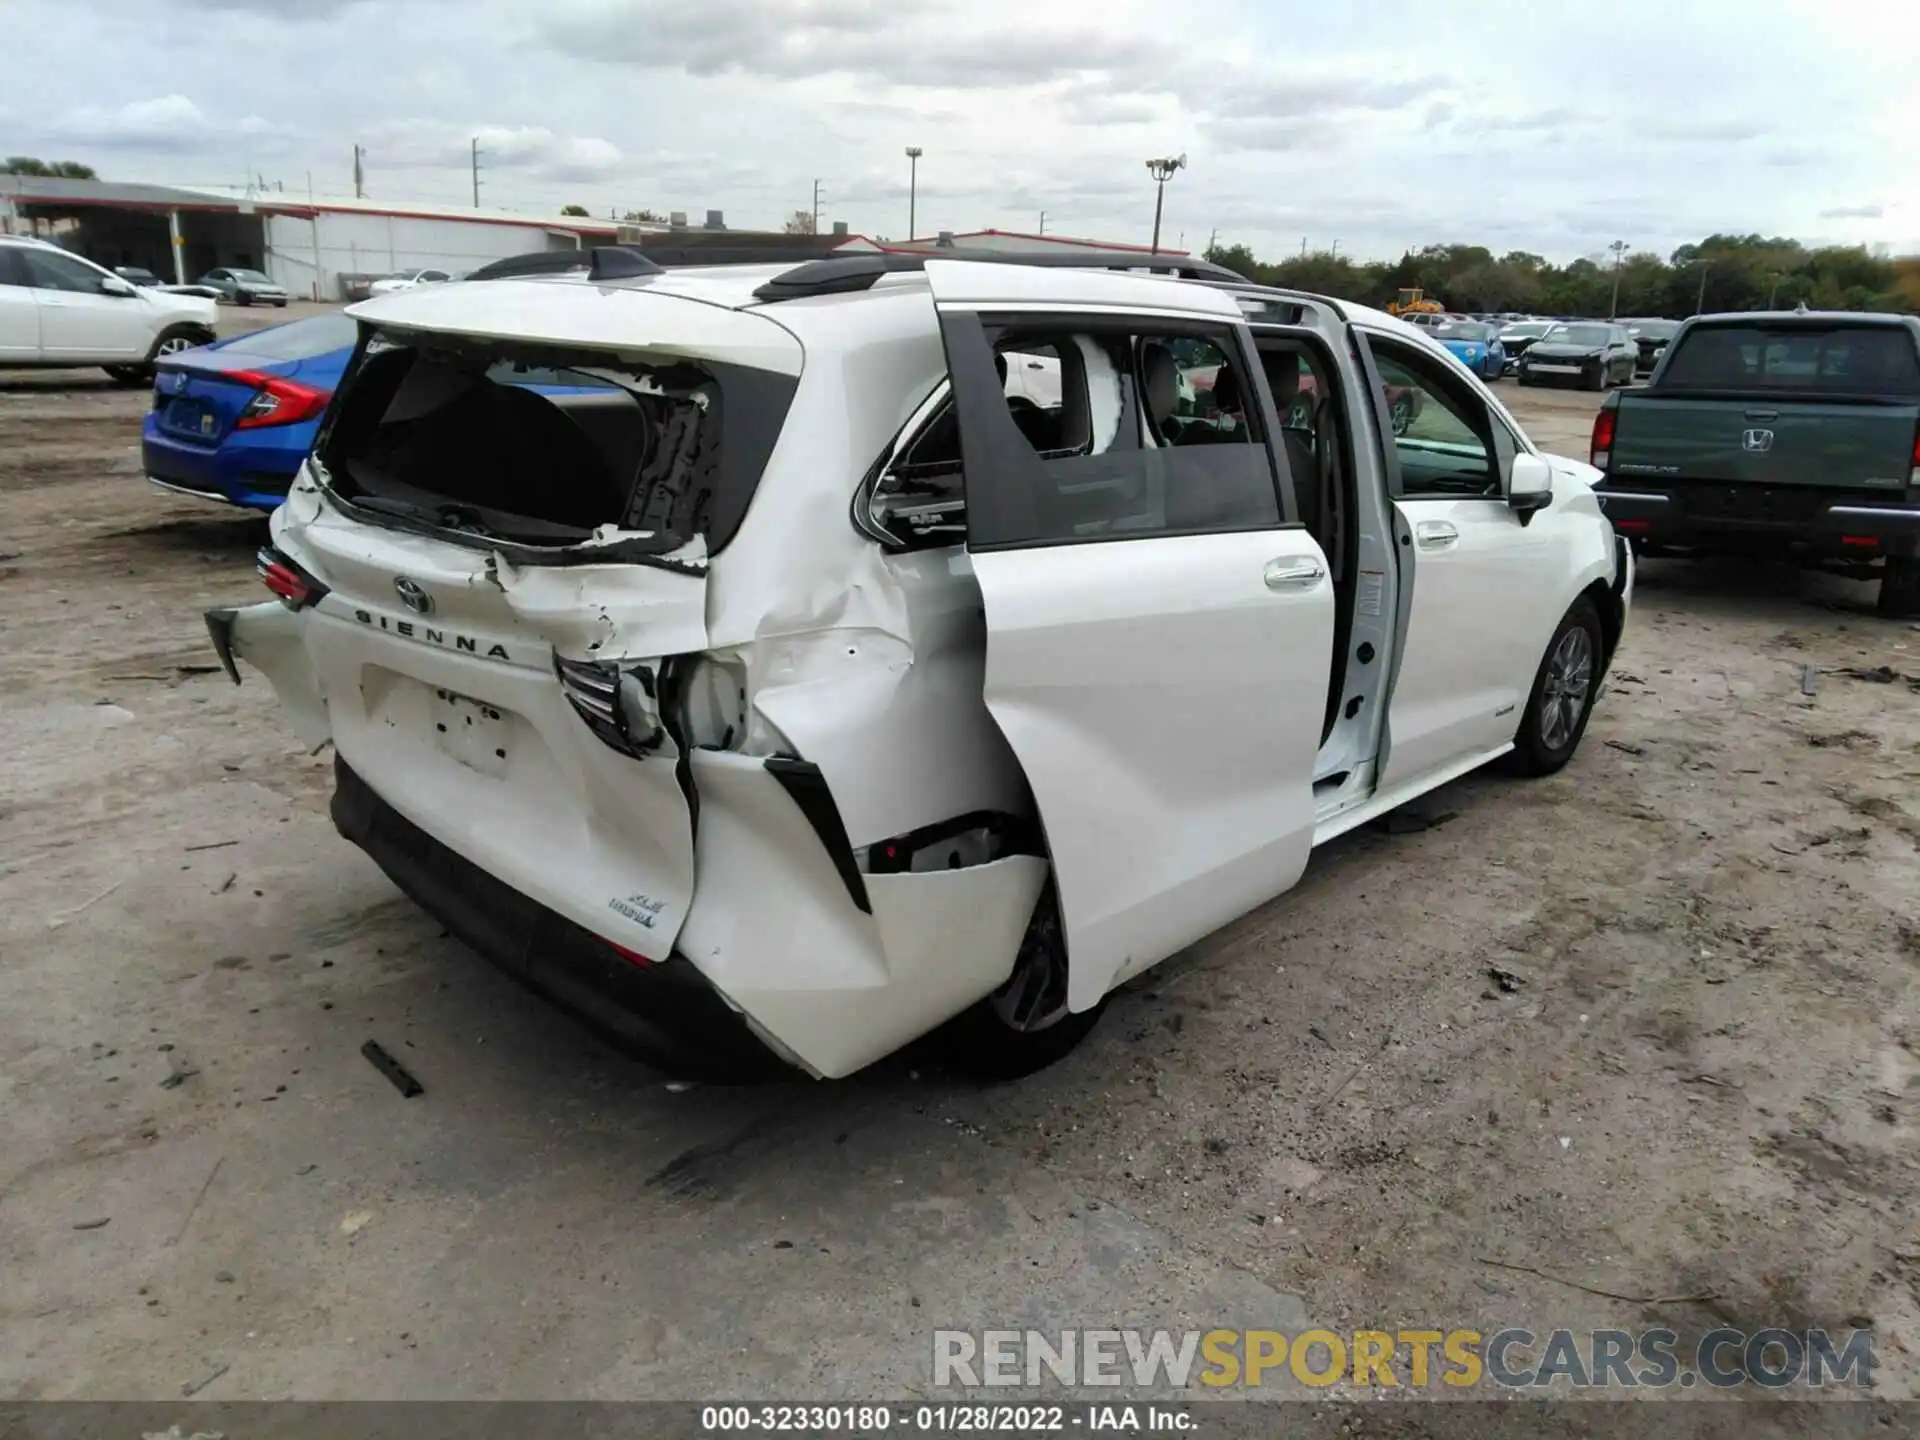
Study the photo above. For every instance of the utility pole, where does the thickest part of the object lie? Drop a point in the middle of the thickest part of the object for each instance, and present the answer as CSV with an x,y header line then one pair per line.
x,y
1162,171
816,207
1043,223
359,175
1700,300
476,172
1774,293
1619,249
914,153
1213,238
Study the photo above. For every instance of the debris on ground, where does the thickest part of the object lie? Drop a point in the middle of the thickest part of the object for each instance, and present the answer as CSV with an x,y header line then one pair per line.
x,y
392,1069
178,1073
211,845
1809,679
98,1224
1873,675
1625,748
1506,977
355,1222
194,1387
1412,822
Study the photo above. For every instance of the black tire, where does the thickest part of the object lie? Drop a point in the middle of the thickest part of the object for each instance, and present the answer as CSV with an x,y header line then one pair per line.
x,y
1900,586
279,304
1557,711
241,297
988,1043
169,341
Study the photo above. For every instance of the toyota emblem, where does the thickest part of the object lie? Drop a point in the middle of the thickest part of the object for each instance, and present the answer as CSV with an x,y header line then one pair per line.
x,y
413,595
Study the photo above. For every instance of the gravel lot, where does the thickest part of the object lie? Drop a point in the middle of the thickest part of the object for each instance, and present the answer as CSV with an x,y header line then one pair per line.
x,y
1703,1083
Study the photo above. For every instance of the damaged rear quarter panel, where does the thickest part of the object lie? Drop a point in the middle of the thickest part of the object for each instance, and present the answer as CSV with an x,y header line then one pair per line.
x,y
871,664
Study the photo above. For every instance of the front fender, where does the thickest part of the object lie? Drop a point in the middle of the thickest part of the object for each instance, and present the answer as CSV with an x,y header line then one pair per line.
x,y
272,639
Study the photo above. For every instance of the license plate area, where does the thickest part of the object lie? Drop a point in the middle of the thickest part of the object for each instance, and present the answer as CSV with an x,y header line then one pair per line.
x,y
1557,369
471,731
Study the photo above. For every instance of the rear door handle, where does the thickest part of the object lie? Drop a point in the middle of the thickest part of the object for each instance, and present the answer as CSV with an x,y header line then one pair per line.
x,y
1294,572
1435,534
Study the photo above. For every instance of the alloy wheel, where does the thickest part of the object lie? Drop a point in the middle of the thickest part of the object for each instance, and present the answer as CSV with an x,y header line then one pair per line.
x,y
173,345
1035,995
1565,688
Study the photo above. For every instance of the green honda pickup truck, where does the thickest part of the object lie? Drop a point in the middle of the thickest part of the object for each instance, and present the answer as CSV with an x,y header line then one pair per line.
x,y
1775,434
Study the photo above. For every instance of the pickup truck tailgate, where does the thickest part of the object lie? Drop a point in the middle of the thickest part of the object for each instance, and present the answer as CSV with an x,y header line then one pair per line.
x,y
1840,445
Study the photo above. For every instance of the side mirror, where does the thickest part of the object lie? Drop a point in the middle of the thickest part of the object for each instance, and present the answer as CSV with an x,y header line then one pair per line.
x,y
114,285
1529,485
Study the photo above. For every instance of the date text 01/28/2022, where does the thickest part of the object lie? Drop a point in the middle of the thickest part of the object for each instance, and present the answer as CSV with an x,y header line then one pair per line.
x,y
960,1419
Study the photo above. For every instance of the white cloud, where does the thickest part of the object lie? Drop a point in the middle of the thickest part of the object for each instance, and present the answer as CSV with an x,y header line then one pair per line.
x,y
1389,125
1853,212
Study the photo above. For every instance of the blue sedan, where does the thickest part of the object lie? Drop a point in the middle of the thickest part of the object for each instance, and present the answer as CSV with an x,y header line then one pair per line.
x,y
1476,345
232,421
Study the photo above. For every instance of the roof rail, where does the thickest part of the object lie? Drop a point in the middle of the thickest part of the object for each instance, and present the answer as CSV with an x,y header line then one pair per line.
x,y
838,275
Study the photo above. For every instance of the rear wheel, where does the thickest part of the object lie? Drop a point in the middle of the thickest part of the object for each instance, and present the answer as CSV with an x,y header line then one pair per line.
x,y
171,342
242,298
1900,586
1025,1025
1563,692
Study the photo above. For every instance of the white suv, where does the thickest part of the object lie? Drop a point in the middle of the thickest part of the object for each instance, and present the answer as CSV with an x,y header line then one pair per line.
x,y
743,658
58,310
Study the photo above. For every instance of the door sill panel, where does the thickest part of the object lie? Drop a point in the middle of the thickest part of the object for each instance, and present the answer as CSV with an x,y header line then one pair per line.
x,y
1370,809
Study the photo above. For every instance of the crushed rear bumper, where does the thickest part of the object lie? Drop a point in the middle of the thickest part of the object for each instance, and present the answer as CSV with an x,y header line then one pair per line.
x,y
665,1014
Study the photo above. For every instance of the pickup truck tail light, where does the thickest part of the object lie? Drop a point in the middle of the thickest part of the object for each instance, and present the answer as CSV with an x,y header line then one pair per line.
x,y
1602,451
280,401
1913,478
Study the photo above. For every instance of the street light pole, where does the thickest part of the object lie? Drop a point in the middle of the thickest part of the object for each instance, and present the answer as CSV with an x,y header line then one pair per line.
x,y
1619,249
1700,300
1162,171
913,185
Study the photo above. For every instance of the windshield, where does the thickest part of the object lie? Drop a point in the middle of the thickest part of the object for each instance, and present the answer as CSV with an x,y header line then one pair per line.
x,y
249,275
1466,330
1653,329
1526,330
1592,336
302,340
1824,360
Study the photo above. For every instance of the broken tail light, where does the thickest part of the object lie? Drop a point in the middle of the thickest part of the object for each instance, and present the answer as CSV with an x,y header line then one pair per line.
x,y
620,703
279,401
1601,453
295,587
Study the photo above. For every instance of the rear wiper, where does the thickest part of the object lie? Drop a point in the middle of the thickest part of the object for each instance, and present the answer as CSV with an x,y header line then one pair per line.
x,y
446,517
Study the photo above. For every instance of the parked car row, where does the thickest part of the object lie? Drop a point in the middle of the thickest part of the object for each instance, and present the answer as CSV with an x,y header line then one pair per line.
x,y
906,627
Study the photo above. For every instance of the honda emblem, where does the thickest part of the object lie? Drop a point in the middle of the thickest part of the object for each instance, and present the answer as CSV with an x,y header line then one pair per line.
x,y
1757,442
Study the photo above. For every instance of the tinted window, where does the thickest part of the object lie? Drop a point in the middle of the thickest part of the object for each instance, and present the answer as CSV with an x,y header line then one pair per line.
x,y
1653,329
1840,360
1139,452
250,275
301,340
50,270
1440,435
1466,330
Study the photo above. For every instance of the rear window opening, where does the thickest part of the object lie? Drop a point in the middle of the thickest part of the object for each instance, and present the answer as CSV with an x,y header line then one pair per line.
x,y
1858,361
549,449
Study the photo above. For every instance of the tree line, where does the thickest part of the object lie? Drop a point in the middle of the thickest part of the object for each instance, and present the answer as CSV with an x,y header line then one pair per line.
x,y
1721,272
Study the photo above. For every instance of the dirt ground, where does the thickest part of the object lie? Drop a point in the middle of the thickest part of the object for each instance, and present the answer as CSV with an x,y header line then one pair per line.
x,y
1702,1088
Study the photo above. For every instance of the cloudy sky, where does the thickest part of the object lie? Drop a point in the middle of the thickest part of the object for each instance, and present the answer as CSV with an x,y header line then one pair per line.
x,y
1380,124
